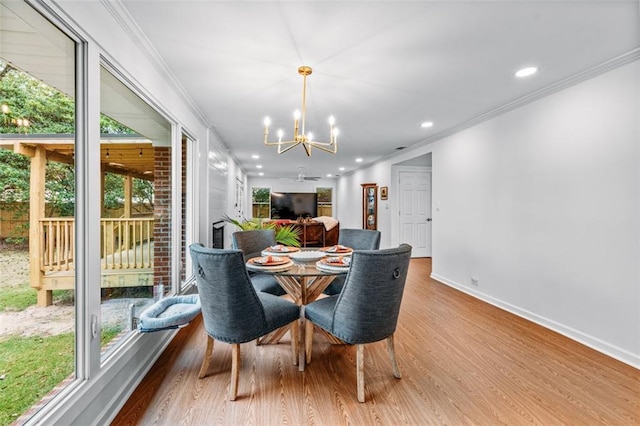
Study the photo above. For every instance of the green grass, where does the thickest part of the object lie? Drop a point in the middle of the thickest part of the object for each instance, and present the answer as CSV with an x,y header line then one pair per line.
x,y
31,367
17,298
20,297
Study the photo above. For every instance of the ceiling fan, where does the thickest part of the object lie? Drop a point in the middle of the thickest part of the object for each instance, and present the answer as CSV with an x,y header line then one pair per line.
x,y
302,177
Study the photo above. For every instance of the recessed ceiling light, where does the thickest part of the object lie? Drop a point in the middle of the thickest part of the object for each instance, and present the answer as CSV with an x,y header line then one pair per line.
x,y
341,168
261,174
526,72
358,160
258,166
427,124
255,156
328,174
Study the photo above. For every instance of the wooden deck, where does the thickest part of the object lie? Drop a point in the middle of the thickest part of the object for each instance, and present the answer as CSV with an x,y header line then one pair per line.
x,y
463,362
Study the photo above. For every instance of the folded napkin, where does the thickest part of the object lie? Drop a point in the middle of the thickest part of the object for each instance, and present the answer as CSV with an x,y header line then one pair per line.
x,y
266,260
338,261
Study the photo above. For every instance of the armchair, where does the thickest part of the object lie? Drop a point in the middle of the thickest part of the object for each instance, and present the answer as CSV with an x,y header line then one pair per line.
x,y
368,307
232,310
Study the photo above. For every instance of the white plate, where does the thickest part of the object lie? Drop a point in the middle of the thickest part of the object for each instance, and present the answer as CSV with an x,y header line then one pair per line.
x,y
324,267
307,256
277,268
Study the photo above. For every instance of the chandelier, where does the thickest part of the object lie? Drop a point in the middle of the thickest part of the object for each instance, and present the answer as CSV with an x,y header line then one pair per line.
x,y
299,135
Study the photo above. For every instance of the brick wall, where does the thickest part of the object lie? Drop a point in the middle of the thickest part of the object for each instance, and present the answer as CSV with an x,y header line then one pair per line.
x,y
162,217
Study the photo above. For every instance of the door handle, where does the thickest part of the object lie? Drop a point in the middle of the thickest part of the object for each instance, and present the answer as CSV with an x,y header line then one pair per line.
x,y
428,219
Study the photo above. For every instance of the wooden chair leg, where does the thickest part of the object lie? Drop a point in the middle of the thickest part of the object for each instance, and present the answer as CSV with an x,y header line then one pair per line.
x,y
392,356
206,359
360,371
308,340
235,371
295,340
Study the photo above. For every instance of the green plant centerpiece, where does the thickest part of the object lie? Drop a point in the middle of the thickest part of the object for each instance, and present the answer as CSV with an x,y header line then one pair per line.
x,y
287,235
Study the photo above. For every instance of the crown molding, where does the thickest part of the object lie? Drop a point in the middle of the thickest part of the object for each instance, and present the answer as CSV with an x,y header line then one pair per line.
x,y
609,65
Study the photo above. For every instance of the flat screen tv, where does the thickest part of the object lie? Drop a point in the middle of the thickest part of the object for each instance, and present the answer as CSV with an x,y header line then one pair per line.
x,y
291,205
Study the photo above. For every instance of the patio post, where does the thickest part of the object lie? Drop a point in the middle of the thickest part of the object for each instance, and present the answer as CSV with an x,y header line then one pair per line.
x,y
36,212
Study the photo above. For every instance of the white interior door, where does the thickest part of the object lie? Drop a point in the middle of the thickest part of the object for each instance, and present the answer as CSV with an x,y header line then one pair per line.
x,y
415,211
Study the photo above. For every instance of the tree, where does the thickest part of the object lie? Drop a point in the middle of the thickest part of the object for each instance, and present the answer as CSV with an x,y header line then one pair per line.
x,y
49,111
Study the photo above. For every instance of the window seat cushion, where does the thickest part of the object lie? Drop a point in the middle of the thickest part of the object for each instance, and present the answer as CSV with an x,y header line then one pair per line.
x,y
169,313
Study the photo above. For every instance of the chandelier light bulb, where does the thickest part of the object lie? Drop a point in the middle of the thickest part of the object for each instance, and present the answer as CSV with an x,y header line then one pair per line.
x,y
310,136
332,120
267,122
296,114
335,132
280,134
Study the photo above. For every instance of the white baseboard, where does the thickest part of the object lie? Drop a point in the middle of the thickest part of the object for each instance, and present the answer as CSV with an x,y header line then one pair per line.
x,y
585,339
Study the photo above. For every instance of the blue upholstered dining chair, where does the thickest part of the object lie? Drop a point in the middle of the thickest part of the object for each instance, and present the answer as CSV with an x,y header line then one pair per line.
x,y
252,243
367,309
357,239
232,310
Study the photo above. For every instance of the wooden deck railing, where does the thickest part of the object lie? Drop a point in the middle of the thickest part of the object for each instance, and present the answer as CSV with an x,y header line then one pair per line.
x,y
57,244
125,243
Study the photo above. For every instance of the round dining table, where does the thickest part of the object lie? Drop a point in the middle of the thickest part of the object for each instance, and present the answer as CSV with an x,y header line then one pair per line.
x,y
304,282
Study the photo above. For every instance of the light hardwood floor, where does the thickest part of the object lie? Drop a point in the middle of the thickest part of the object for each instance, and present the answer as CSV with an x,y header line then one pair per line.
x,y
462,362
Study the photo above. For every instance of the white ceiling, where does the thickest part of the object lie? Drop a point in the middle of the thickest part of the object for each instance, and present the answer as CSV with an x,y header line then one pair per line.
x,y
380,67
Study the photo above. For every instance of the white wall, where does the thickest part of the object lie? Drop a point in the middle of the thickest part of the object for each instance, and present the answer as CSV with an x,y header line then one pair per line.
x,y
349,199
542,205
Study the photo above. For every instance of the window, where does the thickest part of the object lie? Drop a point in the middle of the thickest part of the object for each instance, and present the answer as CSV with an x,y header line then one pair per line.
x,y
261,203
325,206
135,227
38,194
95,196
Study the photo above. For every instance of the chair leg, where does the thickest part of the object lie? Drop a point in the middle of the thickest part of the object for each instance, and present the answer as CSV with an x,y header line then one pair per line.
x,y
206,359
235,371
360,371
392,356
308,340
295,340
